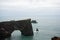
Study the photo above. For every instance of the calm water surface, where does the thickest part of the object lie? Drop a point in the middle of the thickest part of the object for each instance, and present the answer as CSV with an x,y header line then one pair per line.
x,y
48,28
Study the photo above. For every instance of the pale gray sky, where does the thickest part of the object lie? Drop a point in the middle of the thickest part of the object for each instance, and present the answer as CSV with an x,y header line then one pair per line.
x,y
29,3
25,8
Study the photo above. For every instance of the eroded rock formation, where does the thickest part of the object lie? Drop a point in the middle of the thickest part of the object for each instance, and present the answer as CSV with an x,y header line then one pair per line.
x,y
7,27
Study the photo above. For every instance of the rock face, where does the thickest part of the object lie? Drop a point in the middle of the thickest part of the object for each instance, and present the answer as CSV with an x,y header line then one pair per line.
x,y
55,38
33,21
7,27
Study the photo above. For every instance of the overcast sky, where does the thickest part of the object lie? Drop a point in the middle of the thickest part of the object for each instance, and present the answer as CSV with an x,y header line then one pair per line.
x,y
29,7
30,3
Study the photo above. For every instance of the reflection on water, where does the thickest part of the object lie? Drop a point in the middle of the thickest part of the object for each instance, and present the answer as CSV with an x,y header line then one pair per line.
x,y
16,35
39,35
21,38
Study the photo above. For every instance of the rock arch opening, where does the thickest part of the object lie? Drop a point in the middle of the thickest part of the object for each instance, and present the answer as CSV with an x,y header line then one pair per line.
x,y
16,33
24,26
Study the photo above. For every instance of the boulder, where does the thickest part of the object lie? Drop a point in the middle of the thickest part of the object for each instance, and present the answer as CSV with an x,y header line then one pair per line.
x,y
55,38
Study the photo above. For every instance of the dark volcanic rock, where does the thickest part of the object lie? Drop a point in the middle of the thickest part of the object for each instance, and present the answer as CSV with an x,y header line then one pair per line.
x,y
33,21
55,38
7,27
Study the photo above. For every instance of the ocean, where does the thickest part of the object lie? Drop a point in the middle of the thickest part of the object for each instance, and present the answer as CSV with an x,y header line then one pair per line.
x,y
49,26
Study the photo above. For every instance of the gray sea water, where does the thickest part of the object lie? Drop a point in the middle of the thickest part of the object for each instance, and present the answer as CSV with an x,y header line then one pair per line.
x,y
49,26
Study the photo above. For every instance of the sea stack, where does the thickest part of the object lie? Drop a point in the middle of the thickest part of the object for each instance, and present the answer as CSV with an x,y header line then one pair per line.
x,y
33,21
